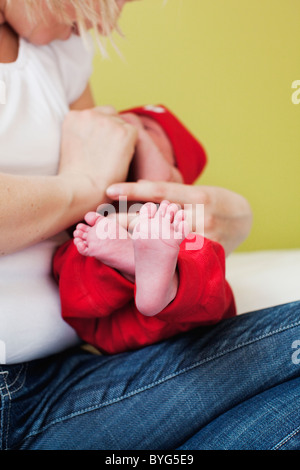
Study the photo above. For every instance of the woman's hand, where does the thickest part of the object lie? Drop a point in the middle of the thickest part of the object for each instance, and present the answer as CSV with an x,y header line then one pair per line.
x,y
96,151
227,215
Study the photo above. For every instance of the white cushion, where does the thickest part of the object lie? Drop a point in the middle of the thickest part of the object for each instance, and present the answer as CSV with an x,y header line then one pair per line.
x,y
263,279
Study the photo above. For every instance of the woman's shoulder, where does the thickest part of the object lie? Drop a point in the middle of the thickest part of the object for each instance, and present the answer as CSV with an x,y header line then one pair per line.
x,y
75,50
9,44
74,59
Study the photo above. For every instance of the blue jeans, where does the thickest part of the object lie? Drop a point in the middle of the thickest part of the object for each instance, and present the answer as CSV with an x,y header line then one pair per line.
x,y
235,385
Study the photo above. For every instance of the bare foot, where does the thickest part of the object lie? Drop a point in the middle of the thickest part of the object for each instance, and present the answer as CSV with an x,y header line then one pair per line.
x,y
107,241
156,239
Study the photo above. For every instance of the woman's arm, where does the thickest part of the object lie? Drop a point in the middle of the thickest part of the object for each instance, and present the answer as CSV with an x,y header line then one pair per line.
x,y
227,215
85,101
96,151
35,208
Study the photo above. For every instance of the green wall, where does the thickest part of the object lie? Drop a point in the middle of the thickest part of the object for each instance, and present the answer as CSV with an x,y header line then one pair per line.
x,y
226,68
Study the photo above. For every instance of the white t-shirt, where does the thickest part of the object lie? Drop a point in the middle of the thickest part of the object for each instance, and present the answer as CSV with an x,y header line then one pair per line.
x,y
36,92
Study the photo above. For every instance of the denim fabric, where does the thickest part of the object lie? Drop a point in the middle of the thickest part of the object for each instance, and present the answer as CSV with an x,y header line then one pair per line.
x,y
235,385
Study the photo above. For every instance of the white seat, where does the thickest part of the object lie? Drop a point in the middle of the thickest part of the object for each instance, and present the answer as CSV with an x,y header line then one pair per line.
x,y
263,279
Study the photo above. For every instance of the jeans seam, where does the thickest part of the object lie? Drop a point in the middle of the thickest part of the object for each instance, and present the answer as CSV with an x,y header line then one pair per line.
x,y
4,437
7,386
286,439
7,410
2,411
158,382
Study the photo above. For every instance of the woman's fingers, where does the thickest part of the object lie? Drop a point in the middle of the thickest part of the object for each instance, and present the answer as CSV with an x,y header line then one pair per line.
x,y
156,191
140,191
132,119
110,110
190,198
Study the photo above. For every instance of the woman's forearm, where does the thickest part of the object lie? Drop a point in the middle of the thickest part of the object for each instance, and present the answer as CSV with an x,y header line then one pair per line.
x,y
35,208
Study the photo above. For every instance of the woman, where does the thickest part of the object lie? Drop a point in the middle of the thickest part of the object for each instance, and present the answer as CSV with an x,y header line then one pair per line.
x,y
194,391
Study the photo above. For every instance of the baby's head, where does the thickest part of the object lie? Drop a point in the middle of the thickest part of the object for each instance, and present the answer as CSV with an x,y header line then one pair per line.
x,y
180,157
42,21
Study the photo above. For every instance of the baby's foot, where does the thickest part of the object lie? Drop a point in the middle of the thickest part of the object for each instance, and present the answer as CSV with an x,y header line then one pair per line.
x,y
156,239
107,241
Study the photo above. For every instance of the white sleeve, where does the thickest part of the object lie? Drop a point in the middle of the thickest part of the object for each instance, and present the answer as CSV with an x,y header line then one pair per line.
x,y
75,62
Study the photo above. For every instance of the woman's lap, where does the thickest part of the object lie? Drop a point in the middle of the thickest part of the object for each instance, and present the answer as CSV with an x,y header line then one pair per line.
x,y
170,395
267,421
